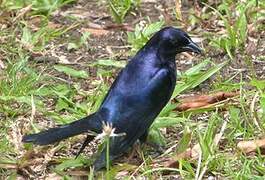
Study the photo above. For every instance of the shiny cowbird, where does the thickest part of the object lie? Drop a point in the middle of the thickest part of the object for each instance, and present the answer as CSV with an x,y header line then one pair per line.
x,y
135,99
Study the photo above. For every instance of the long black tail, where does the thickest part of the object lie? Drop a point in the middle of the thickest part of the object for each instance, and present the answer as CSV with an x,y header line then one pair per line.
x,y
91,122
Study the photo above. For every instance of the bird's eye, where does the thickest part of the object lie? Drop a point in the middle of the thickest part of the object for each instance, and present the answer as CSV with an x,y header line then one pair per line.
x,y
186,39
173,41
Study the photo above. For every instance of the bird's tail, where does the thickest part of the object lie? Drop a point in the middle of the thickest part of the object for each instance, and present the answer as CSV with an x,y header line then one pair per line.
x,y
92,123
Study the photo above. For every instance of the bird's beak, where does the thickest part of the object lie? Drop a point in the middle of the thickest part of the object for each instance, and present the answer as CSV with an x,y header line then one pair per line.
x,y
192,47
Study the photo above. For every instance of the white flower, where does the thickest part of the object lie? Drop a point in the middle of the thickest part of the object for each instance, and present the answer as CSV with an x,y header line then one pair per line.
x,y
108,131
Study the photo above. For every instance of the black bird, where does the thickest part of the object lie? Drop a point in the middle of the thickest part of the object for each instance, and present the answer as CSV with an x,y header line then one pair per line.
x,y
135,99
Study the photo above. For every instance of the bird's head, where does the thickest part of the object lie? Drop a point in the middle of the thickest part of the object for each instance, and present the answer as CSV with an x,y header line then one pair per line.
x,y
171,41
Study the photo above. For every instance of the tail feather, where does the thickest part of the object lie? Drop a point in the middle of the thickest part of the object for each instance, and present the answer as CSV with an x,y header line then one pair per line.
x,y
92,123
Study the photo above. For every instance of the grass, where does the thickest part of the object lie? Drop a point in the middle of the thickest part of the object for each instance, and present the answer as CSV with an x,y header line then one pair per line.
x,y
37,95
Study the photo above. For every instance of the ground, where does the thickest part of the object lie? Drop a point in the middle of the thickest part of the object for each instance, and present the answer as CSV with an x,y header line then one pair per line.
x,y
57,65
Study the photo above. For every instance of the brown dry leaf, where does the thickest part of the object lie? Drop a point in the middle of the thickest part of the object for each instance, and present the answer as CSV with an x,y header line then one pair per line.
x,y
251,46
8,166
121,174
197,9
191,105
188,56
96,32
77,12
15,136
219,96
251,146
172,162
4,17
35,22
124,27
178,9
78,173
199,101
22,12
53,176
53,25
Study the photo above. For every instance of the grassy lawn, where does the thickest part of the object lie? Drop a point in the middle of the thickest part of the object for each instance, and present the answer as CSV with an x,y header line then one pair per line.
x,y
59,58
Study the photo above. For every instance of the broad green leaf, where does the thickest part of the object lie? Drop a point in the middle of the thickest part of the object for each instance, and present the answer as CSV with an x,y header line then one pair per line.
x,y
69,163
61,119
197,68
155,136
119,9
197,80
61,90
152,28
71,72
208,74
26,36
43,91
162,122
72,45
121,167
110,62
234,113
140,36
242,26
184,142
259,84
22,99
166,110
61,104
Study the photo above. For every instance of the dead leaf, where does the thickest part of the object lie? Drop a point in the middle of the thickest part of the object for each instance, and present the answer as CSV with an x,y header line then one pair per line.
x,y
188,56
251,46
35,23
77,12
53,176
172,162
178,9
8,166
53,25
22,12
96,32
4,17
197,9
199,101
251,146
124,27
15,136
77,173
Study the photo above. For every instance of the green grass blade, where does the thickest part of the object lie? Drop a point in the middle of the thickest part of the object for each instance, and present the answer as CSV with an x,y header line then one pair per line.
x,y
197,68
71,72
197,80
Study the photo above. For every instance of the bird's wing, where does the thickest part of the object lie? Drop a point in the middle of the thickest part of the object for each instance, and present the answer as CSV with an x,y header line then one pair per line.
x,y
138,111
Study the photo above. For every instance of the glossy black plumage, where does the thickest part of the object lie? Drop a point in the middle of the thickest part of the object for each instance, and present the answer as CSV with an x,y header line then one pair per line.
x,y
136,97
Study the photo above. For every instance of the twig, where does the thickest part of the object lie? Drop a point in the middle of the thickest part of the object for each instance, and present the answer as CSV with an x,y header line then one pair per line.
x,y
252,110
199,166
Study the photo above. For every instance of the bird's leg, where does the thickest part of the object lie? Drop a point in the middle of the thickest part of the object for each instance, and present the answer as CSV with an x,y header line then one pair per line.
x,y
135,151
143,138
85,143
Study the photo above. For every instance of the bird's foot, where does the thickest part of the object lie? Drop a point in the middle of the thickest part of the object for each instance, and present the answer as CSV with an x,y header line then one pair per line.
x,y
136,151
157,147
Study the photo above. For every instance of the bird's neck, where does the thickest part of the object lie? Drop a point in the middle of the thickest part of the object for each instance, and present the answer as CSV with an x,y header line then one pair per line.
x,y
163,50
166,54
